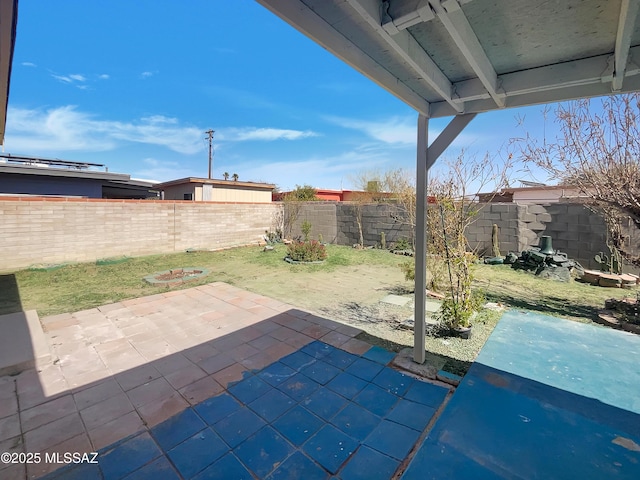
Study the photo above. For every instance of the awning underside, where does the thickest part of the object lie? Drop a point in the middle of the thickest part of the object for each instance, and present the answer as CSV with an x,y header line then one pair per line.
x,y
446,57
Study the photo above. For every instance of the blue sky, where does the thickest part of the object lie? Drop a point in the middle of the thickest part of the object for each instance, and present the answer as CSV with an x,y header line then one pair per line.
x,y
135,84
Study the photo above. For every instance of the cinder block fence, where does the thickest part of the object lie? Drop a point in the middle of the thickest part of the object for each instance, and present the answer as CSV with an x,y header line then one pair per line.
x,y
35,231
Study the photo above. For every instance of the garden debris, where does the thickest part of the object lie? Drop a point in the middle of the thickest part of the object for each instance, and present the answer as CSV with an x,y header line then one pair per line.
x,y
554,266
498,307
611,280
621,314
437,295
406,253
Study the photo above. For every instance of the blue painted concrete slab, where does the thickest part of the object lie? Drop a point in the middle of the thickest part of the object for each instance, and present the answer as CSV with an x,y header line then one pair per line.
x,y
546,398
589,360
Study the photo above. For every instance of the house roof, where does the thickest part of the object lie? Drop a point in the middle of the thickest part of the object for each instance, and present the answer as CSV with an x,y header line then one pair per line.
x,y
8,21
216,182
448,57
61,172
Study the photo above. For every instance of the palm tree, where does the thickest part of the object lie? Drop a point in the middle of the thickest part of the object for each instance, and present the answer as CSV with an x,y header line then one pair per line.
x,y
235,177
226,175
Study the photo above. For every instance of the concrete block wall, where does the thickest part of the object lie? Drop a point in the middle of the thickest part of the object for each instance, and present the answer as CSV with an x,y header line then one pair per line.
x,y
573,228
322,216
35,231
506,216
376,218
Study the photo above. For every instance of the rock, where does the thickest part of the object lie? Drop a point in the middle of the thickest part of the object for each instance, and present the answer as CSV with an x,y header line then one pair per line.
x,y
511,258
559,274
494,261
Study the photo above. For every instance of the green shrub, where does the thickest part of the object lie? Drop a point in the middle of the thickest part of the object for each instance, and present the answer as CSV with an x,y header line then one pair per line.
x,y
459,312
312,251
402,244
306,229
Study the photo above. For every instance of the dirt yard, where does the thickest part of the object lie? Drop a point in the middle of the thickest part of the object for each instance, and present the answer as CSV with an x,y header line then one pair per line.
x,y
351,295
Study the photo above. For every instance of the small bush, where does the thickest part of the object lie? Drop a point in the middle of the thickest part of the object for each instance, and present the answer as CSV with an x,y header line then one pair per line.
x,y
312,251
458,312
402,244
306,230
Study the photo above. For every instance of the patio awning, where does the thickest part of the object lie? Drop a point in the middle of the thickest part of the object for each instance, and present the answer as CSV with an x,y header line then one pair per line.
x,y
463,57
447,57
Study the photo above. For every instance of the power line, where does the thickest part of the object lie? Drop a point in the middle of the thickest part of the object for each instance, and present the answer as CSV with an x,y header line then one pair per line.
x,y
210,134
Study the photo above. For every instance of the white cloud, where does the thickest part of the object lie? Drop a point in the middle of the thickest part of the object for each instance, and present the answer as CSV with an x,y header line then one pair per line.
x,y
401,131
28,64
67,129
163,170
392,130
322,171
147,74
263,134
103,76
71,79
62,78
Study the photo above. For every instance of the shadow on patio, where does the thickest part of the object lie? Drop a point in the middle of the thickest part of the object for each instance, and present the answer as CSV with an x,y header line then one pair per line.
x,y
212,382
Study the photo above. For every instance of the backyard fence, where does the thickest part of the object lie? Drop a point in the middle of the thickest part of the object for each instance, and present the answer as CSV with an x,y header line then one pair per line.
x,y
44,231
574,229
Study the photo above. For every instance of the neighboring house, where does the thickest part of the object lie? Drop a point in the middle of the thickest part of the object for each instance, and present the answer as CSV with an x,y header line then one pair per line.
x,y
343,195
212,190
532,194
333,195
39,176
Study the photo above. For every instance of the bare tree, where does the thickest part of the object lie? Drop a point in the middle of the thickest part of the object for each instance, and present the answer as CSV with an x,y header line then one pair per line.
x,y
599,153
370,187
400,184
455,207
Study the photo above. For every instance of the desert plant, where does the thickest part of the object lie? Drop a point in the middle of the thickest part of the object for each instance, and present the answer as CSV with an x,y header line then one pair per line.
x,y
495,245
306,229
312,251
235,177
225,175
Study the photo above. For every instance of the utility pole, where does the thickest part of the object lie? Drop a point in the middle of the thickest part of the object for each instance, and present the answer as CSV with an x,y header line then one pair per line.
x,y
210,134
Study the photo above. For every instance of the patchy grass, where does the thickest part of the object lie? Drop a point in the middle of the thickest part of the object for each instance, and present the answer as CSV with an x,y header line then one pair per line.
x,y
81,286
86,285
574,300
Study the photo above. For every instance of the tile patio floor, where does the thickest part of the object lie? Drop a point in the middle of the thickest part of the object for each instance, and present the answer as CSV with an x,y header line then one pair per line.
x,y
216,382
212,382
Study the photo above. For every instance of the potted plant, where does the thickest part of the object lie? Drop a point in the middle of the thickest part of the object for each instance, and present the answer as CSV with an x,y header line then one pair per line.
x,y
448,217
